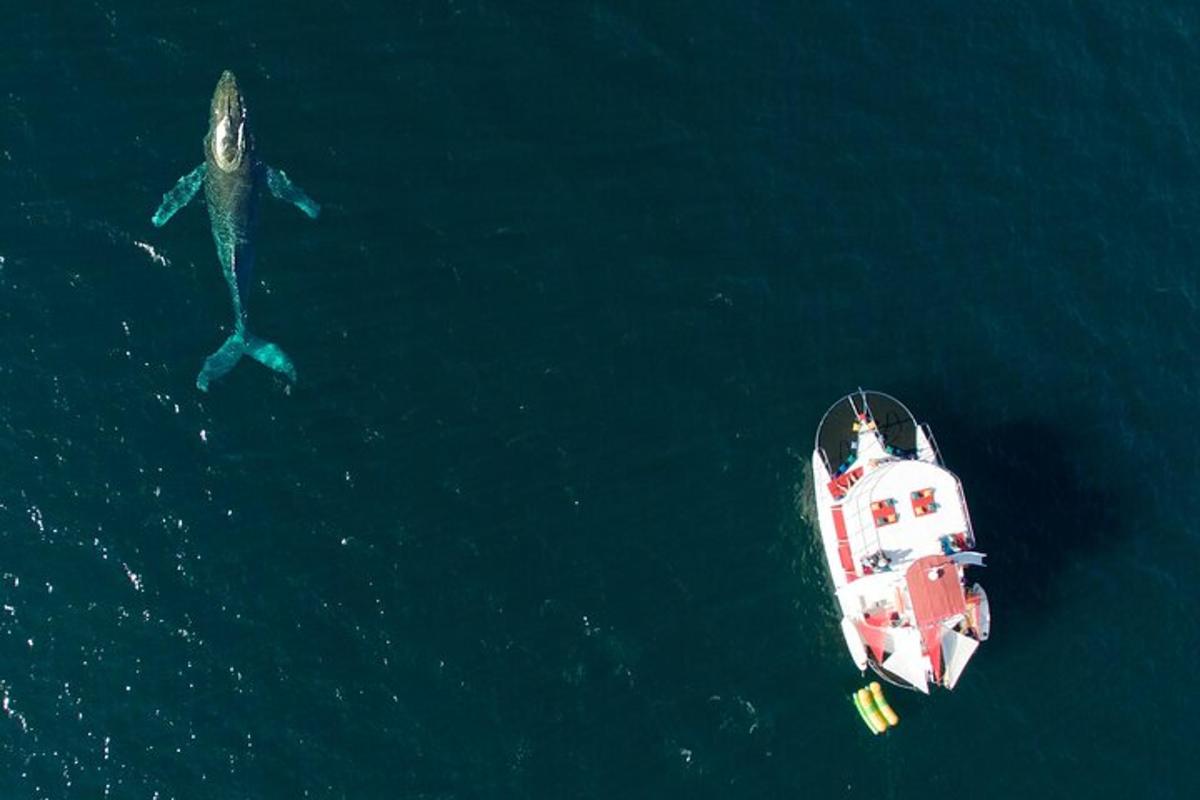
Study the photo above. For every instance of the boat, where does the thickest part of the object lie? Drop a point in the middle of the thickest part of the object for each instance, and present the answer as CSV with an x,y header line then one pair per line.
x,y
898,541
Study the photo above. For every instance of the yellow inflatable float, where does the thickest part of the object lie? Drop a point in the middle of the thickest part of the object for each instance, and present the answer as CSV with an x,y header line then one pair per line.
x,y
874,709
893,719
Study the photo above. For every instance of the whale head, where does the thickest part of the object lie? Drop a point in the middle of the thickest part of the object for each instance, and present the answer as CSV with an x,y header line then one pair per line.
x,y
228,141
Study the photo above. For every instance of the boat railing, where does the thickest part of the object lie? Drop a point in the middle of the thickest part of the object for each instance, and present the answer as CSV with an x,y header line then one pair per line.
x,y
894,680
825,460
937,451
962,498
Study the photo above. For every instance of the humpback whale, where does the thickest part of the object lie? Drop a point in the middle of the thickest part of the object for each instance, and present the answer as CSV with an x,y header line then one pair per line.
x,y
233,179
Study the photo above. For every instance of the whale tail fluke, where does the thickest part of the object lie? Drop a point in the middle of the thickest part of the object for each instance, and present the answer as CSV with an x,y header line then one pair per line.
x,y
244,343
270,355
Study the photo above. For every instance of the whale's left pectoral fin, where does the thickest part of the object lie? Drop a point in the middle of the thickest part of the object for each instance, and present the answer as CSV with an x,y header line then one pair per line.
x,y
282,187
180,195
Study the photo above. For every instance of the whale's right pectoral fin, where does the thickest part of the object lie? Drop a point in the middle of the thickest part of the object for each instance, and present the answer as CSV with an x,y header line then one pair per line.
x,y
282,187
179,196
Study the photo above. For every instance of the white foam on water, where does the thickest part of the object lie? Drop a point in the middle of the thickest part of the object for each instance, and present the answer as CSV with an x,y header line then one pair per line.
x,y
149,250
9,711
134,578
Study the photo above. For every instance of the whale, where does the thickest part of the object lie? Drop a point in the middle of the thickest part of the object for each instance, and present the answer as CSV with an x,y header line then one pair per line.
x,y
233,178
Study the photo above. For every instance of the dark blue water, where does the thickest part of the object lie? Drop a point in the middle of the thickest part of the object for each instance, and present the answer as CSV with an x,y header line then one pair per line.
x,y
532,524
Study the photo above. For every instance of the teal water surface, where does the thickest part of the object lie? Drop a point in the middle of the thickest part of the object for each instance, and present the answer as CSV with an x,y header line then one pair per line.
x,y
532,523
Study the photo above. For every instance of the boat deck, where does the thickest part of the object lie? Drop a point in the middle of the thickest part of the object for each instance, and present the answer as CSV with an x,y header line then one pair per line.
x,y
903,510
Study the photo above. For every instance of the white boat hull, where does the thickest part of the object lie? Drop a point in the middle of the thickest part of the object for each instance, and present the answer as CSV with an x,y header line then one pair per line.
x,y
897,540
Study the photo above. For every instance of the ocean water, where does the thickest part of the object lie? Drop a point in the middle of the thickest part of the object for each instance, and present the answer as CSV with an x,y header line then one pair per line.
x,y
532,523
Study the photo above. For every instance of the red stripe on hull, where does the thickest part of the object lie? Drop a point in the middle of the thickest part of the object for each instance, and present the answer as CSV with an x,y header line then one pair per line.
x,y
843,542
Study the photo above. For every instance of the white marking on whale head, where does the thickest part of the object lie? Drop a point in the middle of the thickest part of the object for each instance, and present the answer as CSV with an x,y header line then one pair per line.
x,y
228,140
